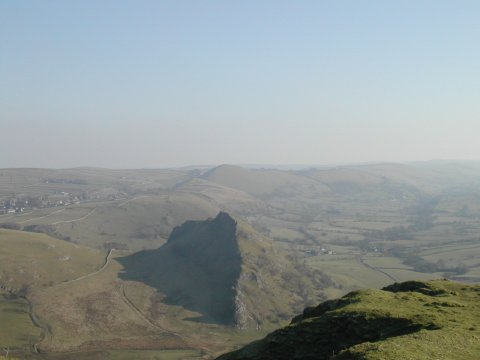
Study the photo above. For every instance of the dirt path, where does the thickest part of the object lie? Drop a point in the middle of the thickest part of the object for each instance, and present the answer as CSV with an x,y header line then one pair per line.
x,y
42,217
362,261
105,265
74,220
137,311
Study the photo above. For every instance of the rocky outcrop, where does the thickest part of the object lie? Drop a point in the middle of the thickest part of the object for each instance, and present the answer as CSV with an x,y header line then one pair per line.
x,y
225,271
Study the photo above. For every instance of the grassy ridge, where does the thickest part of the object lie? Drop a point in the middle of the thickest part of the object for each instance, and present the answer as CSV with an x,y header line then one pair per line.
x,y
411,320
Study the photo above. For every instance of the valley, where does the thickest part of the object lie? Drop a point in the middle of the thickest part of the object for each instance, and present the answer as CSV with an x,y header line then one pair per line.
x,y
192,263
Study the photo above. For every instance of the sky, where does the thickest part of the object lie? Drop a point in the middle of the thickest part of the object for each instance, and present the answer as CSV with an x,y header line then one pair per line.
x,y
152,84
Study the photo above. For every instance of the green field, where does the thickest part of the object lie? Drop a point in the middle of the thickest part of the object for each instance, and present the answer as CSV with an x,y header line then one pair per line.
x,y
17,330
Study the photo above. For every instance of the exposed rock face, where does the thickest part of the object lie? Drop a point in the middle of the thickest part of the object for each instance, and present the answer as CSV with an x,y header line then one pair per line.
x,y
412,320
225,271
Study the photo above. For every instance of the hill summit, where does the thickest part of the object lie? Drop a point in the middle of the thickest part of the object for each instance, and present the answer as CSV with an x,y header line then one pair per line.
x,y
411,320
227,272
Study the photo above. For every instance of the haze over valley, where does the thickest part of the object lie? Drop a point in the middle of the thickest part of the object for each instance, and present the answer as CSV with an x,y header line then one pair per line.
x,y
247,180
196,261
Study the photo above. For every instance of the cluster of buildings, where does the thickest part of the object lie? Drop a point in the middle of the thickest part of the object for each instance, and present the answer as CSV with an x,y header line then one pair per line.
x,y
19,204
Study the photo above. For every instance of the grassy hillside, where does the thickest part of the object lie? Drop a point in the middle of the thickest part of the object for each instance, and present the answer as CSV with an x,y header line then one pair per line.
x,y
332,176
224,197
142,222
32,260
31,263
411,320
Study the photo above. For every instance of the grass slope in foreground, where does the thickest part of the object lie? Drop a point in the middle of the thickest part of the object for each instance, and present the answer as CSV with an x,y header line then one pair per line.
x,y
410,320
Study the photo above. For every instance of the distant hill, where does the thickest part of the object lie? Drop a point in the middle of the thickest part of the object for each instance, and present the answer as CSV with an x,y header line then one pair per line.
x,y
411,320
227,272
262,181
226,198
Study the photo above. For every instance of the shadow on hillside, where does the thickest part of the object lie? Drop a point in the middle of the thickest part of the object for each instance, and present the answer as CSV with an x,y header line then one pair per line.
x,y
198,269
184,282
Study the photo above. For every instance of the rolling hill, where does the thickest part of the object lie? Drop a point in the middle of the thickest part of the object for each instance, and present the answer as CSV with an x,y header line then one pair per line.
x,y
361,225
263,182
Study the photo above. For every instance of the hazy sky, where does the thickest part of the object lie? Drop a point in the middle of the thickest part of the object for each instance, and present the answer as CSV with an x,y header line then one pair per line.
x,y
170,83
